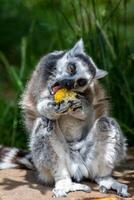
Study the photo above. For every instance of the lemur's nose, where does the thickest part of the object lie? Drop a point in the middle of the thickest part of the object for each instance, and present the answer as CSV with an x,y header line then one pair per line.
x,y
67,83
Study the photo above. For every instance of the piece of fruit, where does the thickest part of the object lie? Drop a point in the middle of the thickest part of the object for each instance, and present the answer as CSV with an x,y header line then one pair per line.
x,y
64,94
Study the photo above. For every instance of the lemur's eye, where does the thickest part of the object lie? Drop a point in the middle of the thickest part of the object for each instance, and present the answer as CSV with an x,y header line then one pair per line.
x,y
71,68
81,82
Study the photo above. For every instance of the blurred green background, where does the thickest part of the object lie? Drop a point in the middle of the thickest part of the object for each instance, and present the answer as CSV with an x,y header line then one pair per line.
x,y
31,28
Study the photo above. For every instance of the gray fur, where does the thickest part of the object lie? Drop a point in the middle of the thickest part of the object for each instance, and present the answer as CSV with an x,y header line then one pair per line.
x,y
79,145
83,143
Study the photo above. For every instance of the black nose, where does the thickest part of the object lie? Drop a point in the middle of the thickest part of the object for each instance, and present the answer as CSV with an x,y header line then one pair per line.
x,y
67,83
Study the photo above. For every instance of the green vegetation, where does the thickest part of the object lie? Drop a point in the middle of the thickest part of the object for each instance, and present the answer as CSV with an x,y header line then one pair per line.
x,y
32,28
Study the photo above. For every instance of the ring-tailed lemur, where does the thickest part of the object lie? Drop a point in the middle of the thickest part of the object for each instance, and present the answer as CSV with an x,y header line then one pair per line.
x,y
67,146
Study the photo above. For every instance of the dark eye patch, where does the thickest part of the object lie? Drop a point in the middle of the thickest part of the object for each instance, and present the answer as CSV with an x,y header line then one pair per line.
x,y
81,82
87,61
48,64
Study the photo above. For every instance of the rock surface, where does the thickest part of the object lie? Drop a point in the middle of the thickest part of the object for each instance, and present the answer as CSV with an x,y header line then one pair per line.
x,y
18,184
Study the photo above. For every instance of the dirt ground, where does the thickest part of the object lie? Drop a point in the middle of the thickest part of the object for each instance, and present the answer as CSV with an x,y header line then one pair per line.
x,y
17,184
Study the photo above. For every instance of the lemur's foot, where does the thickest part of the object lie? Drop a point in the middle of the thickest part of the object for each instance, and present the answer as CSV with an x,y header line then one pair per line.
x,y
121,189
109,183
62,188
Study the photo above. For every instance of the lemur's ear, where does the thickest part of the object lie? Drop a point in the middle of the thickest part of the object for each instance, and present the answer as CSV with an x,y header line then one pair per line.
x,y
100,73
77,49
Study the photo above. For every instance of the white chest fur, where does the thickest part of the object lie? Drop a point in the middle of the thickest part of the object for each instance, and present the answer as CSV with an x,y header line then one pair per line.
x,y
84,156
71,128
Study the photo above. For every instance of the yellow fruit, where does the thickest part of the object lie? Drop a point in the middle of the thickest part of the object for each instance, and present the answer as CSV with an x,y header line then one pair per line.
x,y
64,94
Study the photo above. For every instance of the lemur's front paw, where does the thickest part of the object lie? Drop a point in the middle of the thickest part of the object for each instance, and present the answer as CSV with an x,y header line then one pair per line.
x,y
62,107
59,108
68,106
76,105
64,188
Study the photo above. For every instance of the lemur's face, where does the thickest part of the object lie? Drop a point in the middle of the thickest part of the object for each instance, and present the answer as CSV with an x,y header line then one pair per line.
x,y
75,70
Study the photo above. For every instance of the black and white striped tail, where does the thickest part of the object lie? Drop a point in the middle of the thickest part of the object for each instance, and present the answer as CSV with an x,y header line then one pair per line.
x,y
15,158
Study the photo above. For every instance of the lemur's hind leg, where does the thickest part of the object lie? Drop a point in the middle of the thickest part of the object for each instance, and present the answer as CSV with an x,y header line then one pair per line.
x,y
109,135
49,158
